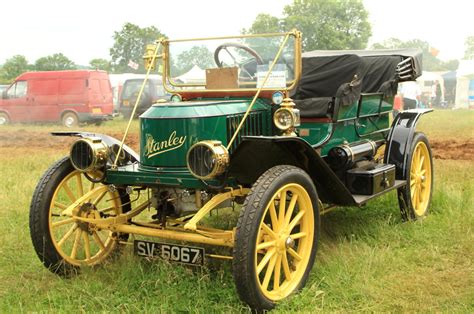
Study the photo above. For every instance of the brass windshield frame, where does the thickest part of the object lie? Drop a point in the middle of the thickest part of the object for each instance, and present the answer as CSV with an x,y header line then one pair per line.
x,y
169,84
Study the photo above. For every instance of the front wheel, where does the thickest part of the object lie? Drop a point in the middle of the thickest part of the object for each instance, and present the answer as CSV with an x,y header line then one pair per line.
x,y
276,237
62,242
415,197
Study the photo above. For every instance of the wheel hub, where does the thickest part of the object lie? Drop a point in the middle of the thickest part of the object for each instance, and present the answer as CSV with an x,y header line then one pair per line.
x,y
87,210
289,243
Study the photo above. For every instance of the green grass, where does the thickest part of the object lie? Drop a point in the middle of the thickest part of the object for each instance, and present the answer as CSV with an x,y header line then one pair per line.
x,y
368,260
448,124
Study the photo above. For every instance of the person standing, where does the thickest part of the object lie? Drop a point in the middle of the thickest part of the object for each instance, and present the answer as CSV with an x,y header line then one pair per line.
x,y
436,94
411,94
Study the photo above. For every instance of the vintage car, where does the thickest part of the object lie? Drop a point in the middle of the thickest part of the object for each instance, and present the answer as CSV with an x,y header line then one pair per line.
x,y
281,136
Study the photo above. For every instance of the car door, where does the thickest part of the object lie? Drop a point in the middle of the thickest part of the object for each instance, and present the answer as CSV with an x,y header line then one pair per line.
x,y
17,102
44,100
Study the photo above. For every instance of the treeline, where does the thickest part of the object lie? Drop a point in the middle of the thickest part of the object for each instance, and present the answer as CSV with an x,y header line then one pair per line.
x,y
339,24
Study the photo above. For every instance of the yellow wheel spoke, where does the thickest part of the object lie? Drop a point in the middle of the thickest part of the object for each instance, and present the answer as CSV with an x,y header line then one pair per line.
x,y
412,183
273,216
91,187
79,184
415,197
62,222
265,261
107,209
67,235
276,278
421,163
269,272
420,195
60,205
286,267
298,235
423,172
76,243
296,220
294,254
97,240
69,192
413,189
99,198
87,248
291,207
269,231
281,213
265,245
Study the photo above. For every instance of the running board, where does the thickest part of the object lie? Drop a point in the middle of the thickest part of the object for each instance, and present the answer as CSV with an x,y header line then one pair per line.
x,y
362,199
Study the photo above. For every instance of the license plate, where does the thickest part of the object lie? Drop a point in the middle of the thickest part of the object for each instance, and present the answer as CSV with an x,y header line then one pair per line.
x,y
170,252
96,110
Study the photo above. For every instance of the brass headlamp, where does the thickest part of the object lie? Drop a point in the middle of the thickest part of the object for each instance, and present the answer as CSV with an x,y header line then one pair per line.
x,y
207,159
89,154
287,117
148,57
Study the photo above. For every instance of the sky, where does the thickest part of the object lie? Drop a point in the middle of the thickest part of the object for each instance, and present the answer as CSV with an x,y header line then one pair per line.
x,y
83,30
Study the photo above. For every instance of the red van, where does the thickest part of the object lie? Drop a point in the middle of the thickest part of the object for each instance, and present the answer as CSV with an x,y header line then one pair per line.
x,y
69,97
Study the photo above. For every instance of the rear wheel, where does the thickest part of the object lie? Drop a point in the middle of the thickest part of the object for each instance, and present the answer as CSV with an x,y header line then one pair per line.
x,y
70,120
276,237
62,242
415,197
4,118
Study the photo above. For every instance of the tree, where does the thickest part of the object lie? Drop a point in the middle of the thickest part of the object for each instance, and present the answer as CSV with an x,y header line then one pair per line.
x,y
100,64
197,55
430,62
264,23
13,67
329,24
469,52
325,24
129,45
55,62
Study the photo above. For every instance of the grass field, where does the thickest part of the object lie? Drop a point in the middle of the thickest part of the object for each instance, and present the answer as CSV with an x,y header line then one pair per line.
x,y
368,260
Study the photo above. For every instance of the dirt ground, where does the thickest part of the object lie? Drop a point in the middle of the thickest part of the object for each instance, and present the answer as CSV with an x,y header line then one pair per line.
x,y
442,149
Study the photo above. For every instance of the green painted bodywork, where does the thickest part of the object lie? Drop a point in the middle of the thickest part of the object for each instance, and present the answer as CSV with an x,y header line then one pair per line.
x,y
168,130
351,125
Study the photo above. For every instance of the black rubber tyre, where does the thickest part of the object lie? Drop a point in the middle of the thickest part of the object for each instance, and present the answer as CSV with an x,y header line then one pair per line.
x,y
415,197
70,120
4,118
44,215
252,237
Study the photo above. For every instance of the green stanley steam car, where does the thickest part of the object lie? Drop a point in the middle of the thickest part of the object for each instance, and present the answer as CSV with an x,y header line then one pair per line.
x,y
280,135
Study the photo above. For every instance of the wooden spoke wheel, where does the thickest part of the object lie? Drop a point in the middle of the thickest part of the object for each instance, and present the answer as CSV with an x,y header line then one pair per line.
x,y
276,238
415,197
62,242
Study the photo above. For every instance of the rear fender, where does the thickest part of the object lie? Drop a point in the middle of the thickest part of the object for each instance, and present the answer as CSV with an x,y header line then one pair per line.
x,y
400,139
130,154
255,155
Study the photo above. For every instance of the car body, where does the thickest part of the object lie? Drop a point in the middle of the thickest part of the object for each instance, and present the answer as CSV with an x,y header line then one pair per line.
x,y
152,93
281,136
70,97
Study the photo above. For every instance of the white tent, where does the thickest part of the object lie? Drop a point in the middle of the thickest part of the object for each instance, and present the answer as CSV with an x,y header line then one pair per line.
x,y
465,84
427,79
194,76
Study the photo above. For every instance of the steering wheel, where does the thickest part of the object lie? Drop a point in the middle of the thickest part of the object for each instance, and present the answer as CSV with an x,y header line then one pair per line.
x,y
242,65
